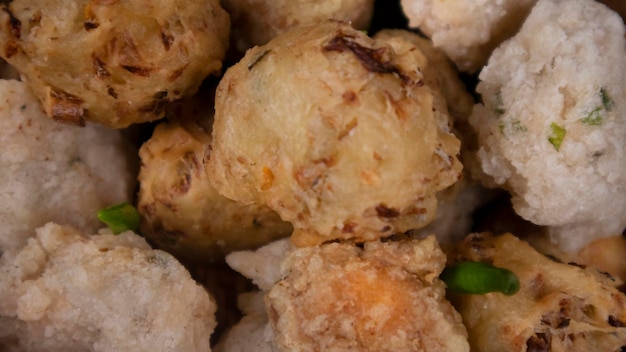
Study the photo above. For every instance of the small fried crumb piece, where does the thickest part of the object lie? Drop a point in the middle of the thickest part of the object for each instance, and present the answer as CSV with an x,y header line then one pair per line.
x,y
385,296
560,307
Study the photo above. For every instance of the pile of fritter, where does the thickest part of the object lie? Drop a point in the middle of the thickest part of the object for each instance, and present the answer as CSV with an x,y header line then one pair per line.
x,y
329,175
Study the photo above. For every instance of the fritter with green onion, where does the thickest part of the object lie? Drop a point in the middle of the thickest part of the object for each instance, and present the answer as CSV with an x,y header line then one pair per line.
x,y
559,306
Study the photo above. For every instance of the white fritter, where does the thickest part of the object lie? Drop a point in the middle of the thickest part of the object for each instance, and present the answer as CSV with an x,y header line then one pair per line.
x,y
553,119
55,172
467,30
67,292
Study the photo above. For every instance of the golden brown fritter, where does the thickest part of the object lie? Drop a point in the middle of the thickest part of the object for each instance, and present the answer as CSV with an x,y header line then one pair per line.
x,y
383,297
180,209
256,22
560,307
113,62
336,132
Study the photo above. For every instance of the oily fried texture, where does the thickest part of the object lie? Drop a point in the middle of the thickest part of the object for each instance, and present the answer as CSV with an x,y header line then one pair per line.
x,y
383,297
182,212
336,132
467,30
65,291
552,122
256,22
560,307
55,172
113,62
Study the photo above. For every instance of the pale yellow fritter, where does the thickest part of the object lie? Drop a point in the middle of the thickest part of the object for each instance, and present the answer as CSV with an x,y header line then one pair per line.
x,y
180,209
560,307
113,62
335,131
256,22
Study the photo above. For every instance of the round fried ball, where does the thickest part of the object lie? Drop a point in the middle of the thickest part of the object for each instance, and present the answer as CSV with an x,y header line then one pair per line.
x,y
69,291
113,62
180,209
553,119
334,131
257,22
384,297
467,30
56,172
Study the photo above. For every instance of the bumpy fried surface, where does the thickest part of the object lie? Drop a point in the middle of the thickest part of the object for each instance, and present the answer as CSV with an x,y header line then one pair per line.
x,y
67,292
467,30
180,209
256,22
336,132
113,62
560,307
55,172
552,123
384,297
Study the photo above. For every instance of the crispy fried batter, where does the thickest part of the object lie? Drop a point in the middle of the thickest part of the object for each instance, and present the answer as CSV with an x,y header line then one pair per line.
x,y
560,307
384,297
180,209
113,62
336,132
256,22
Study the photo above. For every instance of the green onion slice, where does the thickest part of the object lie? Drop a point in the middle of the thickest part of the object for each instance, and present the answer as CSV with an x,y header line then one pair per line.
x,y
479,278
120,217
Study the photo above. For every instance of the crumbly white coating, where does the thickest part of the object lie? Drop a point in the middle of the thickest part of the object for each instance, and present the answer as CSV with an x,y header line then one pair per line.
x,y
254,332
55,172
467,30
65,291
262,266
113,62
553,119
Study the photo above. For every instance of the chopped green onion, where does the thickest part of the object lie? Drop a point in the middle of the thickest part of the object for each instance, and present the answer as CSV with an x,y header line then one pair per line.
x,y
119,218
479,278
594,118
557,134
607,102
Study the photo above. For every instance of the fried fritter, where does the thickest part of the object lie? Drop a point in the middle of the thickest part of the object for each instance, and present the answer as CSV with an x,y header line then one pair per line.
x,y
335,131
113,62
560,307
552,121
467,30
65,291
383,297
180,209
256,22
341,297
56,172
